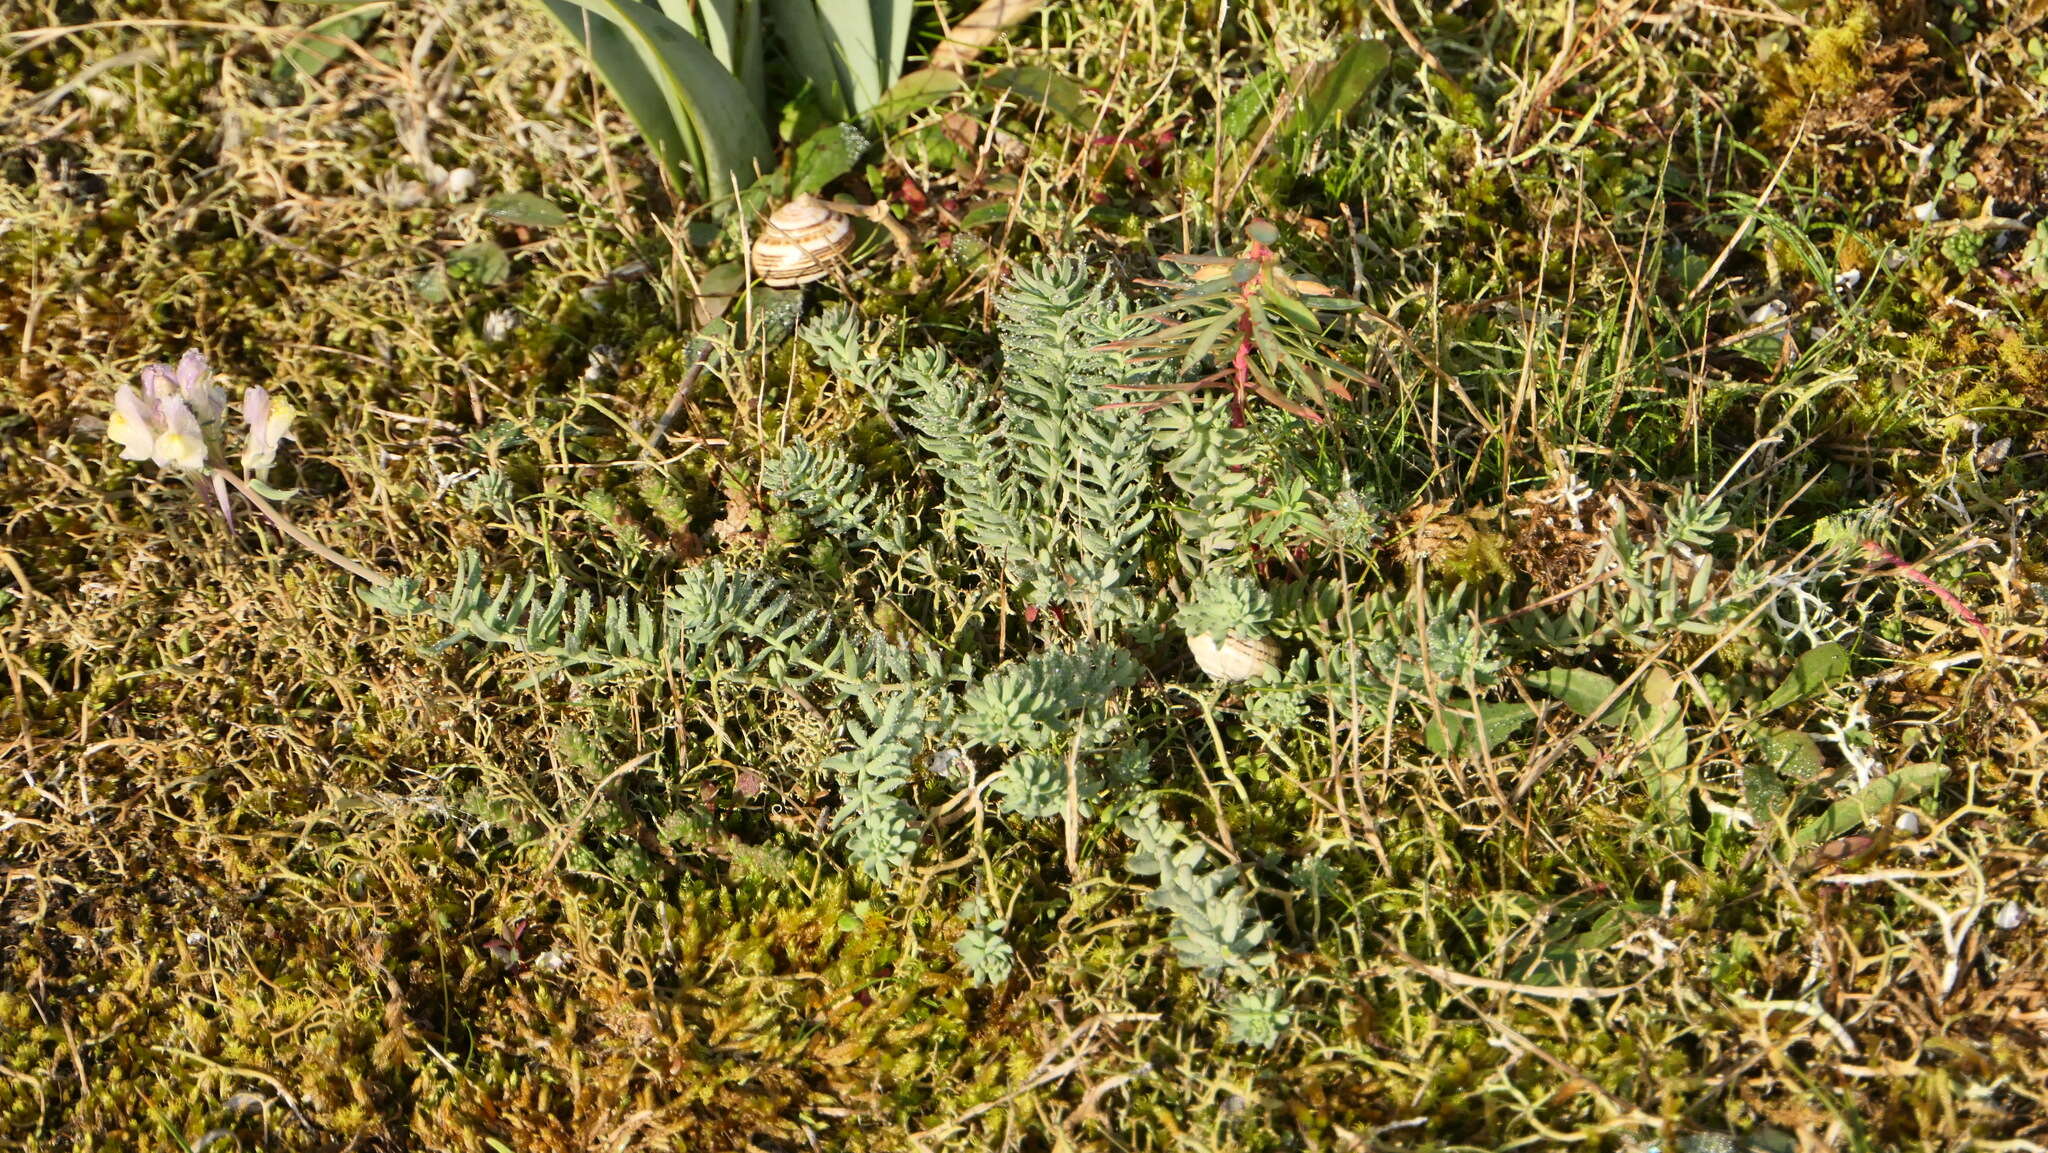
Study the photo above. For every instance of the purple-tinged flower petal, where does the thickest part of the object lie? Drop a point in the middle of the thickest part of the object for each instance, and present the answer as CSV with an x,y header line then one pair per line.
x,y
158,381
270,423
208,401
193,370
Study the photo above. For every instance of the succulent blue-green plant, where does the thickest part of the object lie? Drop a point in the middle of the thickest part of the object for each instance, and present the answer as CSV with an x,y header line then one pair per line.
x,y
988,957
1257,1016
1216,928
1436,642
1033,786
878,824
832,493
1222,603
1656,584
1047,481
1212,461
1029,703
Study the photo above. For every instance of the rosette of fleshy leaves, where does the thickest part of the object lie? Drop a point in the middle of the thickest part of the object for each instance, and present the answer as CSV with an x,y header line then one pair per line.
x,y
1260,328
1222,603
987,957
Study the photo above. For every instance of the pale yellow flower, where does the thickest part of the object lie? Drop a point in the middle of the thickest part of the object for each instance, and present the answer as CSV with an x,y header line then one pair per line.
x,y
174,419
132,426
270,423
181,443
192,381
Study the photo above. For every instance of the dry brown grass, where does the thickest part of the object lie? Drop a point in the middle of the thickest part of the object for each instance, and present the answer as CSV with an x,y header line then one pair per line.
x,y
259,884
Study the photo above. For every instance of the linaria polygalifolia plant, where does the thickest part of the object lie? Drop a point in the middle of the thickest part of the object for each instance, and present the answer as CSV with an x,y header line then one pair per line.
x,y
1042,543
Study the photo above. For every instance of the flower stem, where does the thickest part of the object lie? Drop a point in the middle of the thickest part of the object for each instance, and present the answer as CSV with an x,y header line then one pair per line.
x,y
305,539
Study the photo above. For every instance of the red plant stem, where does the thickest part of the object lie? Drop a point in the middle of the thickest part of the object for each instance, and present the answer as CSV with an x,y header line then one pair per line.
x,y
1954,602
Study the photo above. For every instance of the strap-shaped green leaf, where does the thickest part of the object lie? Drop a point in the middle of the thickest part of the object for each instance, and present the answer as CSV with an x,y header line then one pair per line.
x,y
809,42
732,30
719,131
892,35
851,26
632,84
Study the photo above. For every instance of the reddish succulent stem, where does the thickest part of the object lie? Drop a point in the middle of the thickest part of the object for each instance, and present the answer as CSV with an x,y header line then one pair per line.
x,y
1954,602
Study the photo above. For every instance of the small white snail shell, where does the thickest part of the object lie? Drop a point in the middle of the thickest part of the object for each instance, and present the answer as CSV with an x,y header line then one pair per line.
x,y
1235,657
800,242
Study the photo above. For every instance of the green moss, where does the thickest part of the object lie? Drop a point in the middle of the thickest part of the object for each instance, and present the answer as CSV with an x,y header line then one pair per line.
x,y
260,833
1834,64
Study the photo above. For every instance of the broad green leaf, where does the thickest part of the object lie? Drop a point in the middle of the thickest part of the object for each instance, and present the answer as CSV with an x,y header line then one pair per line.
x,y
1659,727
1582,691
712,22
1815,672
1899,787
829,154
716,290
1763,792
1791,753
710,110
480,262
432,284
892,34
1785,757
636,88
985,214
915,92
851,25
1485,726
732,30
525,209
1061,94
774,313
1338,88
324,41
1246,110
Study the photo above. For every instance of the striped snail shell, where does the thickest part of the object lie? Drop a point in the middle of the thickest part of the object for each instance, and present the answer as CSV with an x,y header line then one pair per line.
x,y
1235,657
800,243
